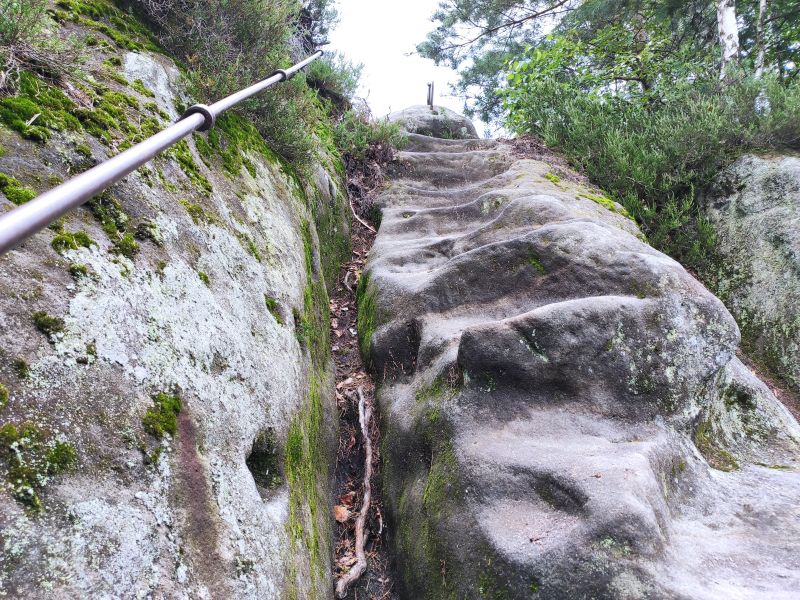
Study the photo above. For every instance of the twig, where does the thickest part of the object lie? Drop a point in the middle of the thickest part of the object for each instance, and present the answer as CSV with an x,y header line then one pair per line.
x,y
359,219
346,282
364,416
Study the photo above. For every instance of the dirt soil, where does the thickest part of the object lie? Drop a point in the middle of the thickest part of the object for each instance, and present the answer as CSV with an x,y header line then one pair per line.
x,y
376,583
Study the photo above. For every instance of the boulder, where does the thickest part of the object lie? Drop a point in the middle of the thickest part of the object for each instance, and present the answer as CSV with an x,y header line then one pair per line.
x,y
754,207
564,415
438,122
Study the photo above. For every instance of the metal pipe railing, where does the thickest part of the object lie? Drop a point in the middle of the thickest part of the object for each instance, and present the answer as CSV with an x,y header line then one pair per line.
x,y
23,221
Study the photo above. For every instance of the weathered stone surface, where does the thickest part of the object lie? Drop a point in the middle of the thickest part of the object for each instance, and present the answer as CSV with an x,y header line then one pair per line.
x,y
754,207
236,503
438,122
564,414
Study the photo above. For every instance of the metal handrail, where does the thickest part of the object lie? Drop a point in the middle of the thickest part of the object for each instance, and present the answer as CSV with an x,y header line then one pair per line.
x,y
23,221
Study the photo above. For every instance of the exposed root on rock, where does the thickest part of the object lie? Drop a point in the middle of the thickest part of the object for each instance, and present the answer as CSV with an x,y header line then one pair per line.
x,y
364,418
359,525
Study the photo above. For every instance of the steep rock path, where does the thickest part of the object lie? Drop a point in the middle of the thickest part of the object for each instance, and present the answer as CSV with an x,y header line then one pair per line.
x,y
563,412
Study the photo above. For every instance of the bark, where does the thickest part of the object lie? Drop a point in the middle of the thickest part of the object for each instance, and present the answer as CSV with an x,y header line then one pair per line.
x,y
728,34
760,37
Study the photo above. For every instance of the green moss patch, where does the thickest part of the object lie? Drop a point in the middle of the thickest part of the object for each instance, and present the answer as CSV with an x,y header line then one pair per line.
x,y
123,29
366,321
180,152
21,368
199,214
306,468
708,446
607,203
162,418
38,109
30,458
108,210
47,324
14,190
4,395
71,240
232,139
274,309
552,178
138,86
536,263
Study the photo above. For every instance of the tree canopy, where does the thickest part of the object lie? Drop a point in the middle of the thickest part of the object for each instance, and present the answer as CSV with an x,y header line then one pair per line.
x,y
482,37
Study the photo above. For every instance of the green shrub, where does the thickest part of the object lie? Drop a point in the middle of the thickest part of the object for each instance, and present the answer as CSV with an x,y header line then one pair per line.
x,y
653,154
238,44
335,78
355,134
27,41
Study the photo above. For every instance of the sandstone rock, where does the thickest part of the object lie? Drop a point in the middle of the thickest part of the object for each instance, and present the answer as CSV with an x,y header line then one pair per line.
x,y
234,504
564,415
438,122
754,207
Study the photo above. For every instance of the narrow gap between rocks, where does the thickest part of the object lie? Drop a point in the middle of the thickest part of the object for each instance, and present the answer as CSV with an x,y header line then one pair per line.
x,y
376,582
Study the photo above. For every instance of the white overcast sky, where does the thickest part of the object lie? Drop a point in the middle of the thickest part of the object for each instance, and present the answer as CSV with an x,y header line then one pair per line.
x,y
381,34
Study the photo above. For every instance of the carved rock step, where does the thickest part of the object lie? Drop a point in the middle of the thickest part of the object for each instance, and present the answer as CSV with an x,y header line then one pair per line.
x,y
564,415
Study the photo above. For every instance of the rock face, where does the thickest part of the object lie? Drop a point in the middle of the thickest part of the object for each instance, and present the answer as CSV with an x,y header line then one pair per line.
x,y
754,207
564,415
166,404
439,122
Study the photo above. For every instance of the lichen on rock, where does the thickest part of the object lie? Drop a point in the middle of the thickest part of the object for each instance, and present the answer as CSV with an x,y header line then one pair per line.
x,y
137,338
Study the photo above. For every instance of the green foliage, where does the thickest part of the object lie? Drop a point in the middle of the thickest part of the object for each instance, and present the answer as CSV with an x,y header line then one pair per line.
x,y
641,128
204,277
47,324
27,40
335,78
355,134
31,457
162,418
240,43
14,190
635,37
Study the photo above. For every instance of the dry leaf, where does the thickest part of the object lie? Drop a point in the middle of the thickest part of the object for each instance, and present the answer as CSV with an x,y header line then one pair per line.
x,y
341,513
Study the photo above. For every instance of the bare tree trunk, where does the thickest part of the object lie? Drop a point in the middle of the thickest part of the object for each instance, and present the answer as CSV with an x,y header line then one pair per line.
x,y
728,34
760,37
